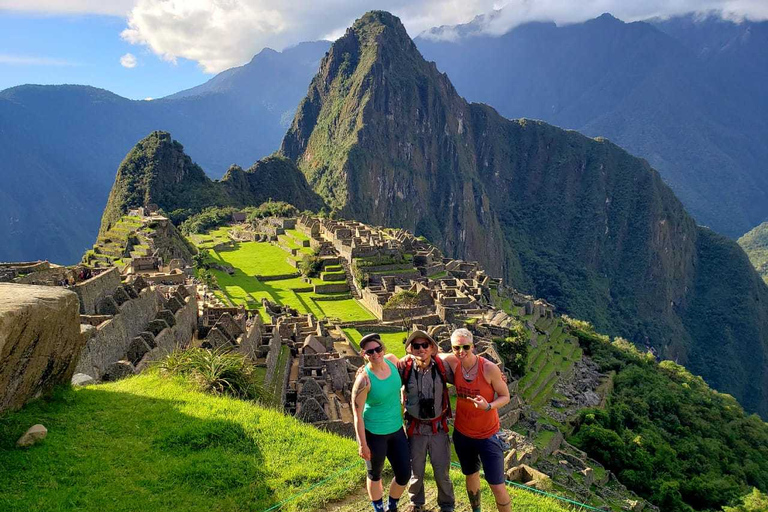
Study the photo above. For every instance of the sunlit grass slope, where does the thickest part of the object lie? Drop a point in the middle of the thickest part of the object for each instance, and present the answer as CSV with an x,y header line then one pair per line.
x,y
154,444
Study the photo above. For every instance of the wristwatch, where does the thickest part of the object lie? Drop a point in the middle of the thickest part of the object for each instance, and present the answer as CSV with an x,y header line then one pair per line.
x,y
489,407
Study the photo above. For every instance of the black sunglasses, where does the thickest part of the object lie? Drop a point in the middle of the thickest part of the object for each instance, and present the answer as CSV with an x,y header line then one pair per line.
x,y
456,348
416,345
376,350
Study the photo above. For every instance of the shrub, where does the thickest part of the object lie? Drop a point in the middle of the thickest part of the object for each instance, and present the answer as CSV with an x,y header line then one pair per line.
x,y
310,265
270,209
215,371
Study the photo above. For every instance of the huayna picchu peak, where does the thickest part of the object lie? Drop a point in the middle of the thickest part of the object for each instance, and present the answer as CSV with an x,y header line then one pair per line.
x,y
157,171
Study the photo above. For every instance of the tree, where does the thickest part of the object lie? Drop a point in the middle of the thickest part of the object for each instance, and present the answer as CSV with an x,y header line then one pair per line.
x,y
755,501
403,301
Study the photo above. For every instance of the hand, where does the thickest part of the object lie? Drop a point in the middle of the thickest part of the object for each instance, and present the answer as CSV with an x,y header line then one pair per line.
x,y
480,402
364,452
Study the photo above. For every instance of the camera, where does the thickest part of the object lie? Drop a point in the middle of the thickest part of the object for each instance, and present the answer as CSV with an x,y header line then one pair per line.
x,y
426,408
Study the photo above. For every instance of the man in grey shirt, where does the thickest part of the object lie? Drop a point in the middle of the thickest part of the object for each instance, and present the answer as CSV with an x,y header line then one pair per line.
x,y
427,409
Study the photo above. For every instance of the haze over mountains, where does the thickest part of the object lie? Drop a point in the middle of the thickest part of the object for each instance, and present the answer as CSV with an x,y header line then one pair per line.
x,y
61,144
684,93
385,138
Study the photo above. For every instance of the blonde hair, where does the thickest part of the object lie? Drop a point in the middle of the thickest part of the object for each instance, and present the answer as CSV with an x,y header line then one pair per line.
x,y
462,333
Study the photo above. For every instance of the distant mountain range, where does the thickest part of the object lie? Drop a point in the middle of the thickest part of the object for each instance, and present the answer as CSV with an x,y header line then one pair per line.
x,y
685,93
60,145
383,136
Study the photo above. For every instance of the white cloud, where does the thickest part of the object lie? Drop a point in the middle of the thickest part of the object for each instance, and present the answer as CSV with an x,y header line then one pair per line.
x,y
128,61
219,34
26,60
109,7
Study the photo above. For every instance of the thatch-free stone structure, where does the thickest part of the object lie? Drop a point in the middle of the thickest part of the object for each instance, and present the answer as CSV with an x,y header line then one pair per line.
x,y
40,341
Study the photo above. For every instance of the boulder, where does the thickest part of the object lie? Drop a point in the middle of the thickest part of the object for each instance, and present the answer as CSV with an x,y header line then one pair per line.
x,y
40,341
121,296
35,434
166,315
118,370
137,349
81,379
107,306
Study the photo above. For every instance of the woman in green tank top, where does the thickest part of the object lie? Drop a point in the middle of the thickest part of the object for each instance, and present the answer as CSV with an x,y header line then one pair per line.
x,y
379,422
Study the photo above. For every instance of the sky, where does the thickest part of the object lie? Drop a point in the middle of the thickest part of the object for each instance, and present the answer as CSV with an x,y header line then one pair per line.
x,y
143,49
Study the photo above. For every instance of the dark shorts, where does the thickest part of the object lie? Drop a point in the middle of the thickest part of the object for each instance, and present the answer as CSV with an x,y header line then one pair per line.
x,y
474,453
393,447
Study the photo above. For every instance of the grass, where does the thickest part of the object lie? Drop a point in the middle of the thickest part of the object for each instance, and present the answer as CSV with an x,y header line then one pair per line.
x,y
259,258
393,341
256,258
439,275
156,445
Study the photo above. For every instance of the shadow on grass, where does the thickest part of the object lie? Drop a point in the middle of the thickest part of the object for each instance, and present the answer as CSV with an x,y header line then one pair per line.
x,y
111,450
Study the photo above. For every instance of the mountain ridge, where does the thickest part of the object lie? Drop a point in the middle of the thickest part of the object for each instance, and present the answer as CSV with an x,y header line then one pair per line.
x,y
385,138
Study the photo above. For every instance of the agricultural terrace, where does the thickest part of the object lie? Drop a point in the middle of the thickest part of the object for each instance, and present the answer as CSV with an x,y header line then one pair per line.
x,y
251,259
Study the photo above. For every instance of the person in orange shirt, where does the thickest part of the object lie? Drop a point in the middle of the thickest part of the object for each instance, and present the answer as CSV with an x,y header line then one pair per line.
x,y
481,391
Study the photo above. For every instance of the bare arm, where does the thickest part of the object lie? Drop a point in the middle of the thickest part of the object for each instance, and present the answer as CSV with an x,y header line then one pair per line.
x,y
497,380
392,358
449,358
492,375
359,395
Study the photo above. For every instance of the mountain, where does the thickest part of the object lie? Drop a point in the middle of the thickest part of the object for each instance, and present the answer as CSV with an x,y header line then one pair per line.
x,y
684,93
61,144
755,244
157,171
385,138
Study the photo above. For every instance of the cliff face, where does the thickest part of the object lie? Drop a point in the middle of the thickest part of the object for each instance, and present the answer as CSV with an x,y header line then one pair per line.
x,y
157,171
383,136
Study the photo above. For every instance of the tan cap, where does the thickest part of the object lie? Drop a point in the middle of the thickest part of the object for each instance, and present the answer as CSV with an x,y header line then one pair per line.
x,y
415,335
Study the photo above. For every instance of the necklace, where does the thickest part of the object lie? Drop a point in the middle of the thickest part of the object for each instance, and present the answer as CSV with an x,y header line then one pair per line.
x,y
467,373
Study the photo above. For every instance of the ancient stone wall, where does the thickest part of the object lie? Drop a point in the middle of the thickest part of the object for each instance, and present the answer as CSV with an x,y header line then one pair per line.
x,y
179,334
40,341
331,287
273,355
91,291
114,336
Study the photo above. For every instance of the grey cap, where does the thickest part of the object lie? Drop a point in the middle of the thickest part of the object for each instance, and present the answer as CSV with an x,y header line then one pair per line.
x,y
374,336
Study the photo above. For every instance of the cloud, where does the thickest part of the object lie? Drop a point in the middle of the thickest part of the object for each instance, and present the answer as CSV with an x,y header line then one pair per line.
x,y
26,60
128,61
219,34
110,7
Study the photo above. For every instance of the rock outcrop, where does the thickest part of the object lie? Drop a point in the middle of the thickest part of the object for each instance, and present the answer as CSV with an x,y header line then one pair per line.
x,y
40,341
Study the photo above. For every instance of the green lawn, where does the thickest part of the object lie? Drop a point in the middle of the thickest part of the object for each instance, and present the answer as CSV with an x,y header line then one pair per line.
x,y
156,445
256,258
393,341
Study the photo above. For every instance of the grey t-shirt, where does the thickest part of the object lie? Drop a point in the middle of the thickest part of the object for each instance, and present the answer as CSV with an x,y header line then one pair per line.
x,y
422,385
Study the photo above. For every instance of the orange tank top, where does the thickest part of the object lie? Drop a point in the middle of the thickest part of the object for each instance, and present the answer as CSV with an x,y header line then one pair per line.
x,y
471,421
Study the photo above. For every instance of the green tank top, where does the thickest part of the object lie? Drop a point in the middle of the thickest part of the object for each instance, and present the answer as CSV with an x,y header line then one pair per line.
x,y
382,413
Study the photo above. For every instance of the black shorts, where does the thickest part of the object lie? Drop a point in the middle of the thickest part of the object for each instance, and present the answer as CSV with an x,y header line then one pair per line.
x,y
473,453
393,447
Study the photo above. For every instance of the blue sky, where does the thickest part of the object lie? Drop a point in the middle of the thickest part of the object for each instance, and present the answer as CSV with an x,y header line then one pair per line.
x,y
177,44
86,49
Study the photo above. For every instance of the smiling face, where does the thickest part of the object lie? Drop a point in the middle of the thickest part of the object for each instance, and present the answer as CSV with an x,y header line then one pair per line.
x,y
372,351
421,348
461,347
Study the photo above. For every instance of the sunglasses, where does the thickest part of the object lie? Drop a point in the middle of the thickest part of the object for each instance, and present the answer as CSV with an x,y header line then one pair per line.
x,y
416,345
457,348
376,350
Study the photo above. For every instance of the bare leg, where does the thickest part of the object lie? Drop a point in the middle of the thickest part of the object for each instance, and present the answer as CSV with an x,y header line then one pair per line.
x,y
395,490
375,490
473,491
503,501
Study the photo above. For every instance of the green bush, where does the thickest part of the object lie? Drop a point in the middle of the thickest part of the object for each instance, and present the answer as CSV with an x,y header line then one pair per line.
x,y
270,209
310,265
514,350
208,219
215,371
